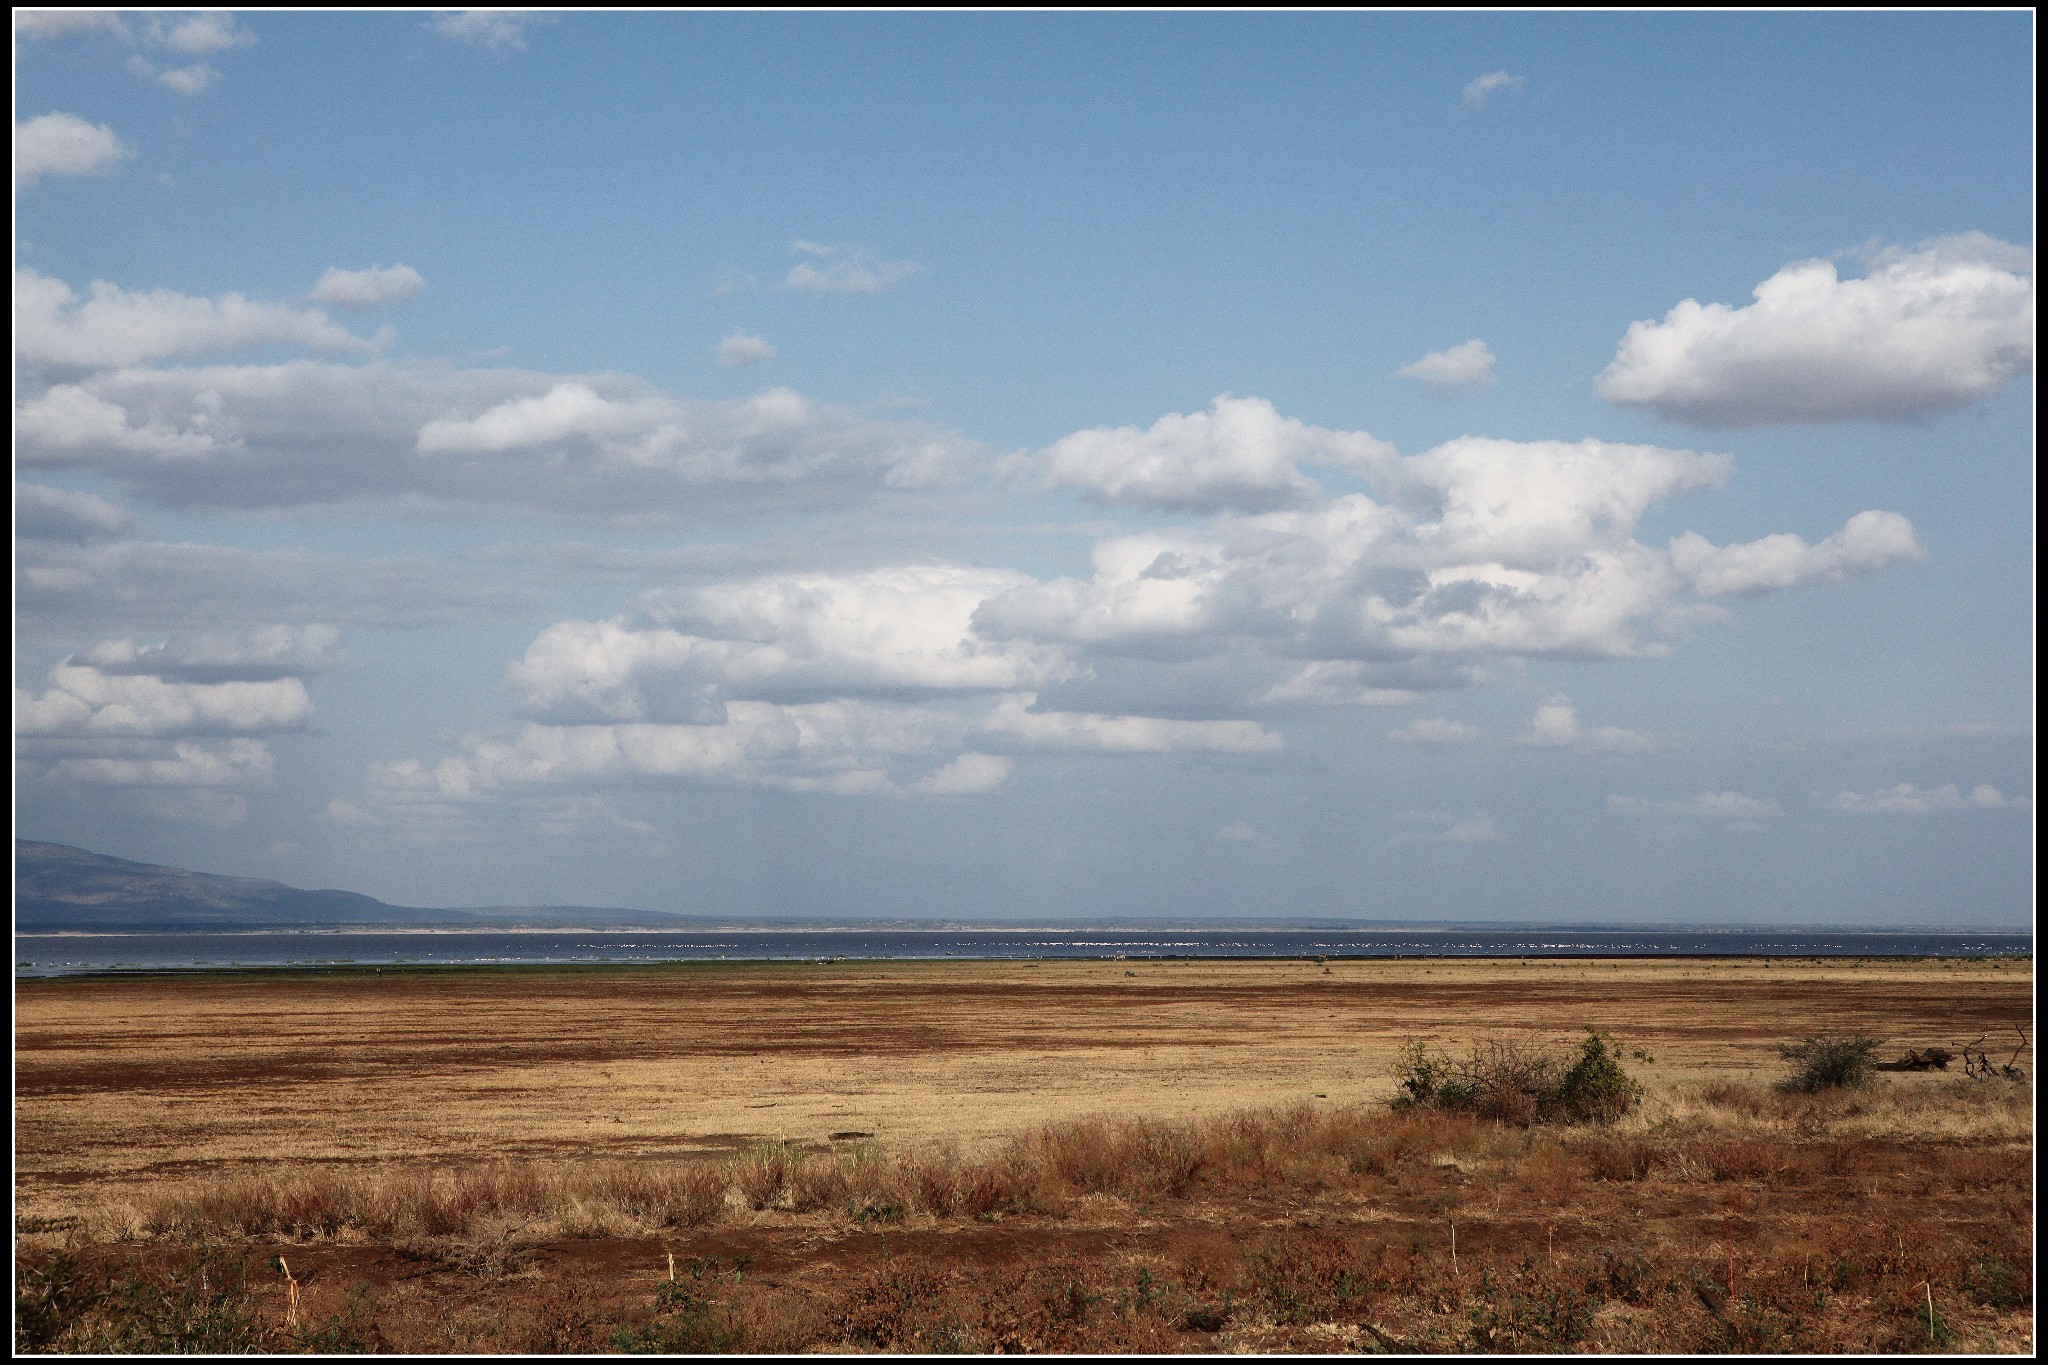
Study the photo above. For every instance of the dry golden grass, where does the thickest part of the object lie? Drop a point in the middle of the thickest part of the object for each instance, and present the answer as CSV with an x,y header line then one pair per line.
x,y
1720,1214
1269,1229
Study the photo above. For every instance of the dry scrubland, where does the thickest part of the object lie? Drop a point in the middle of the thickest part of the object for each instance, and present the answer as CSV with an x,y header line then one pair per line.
x,y
974,1156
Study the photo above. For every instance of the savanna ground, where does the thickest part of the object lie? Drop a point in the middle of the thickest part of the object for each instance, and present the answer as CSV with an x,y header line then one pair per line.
x,y
1063,1156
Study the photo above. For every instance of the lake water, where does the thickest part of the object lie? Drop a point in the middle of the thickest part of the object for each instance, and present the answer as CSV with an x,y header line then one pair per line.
x,y
55,954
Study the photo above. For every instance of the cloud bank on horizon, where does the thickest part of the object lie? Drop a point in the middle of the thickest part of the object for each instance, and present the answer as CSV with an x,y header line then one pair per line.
x,y
298,591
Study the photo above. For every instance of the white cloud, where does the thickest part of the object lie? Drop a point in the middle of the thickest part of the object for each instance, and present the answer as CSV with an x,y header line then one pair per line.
x,y
1240,453
66,421
84,701
1870,541
838,747
187,763
1478,828
772,437
199,35
378,287
1907,799
1930,329
739,348
1337,682
1240,833
305,433
260,654
1013,722
903,631
62,144
1556,726
498,31
845,270
1434,730
967,775
1484,548
1731,806
117,327
1465,368
203,33
42,513
196,79
66,23
1478,91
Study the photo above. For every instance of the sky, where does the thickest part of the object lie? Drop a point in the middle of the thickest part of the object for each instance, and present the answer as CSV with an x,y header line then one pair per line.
x,y
1542,467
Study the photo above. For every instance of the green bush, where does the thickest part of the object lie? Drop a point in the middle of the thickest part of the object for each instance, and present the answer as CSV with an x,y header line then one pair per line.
x,y
1828,1061
1595,1089
1513,1081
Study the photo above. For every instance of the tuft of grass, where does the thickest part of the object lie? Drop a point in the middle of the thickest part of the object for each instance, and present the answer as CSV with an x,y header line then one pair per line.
x,y
1829,1061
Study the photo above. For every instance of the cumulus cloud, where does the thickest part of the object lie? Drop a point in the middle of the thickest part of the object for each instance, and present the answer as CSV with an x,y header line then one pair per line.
x,y
86,701
871,683
62,144
893,632
776,437
739,348
262,654
498,31
195,79
1483,548
68,23
1240,453
840,747
967,775
42,513
1730,806
1464,368
1434,730
1013,722
431,434
380,286
1483,88
1907,799
199,35
1556,726
186,763
1926,330
65,422
844,270
119,327
1338,682
1869,542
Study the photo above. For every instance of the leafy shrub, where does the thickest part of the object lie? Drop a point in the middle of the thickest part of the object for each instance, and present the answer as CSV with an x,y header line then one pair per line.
x,y
1514,1081
1828,1061
687,1319
1595,1089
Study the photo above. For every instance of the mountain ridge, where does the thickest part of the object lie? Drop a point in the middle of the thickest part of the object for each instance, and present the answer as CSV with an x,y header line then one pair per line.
x,y
59,888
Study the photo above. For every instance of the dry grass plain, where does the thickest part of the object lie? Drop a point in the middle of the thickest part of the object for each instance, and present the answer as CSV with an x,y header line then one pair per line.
x,y
1739,1219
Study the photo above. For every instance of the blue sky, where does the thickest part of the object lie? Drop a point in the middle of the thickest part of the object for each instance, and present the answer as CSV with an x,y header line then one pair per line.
x,y
1015,466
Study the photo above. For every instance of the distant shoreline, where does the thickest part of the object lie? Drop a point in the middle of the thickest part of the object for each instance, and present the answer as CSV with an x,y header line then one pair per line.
x,y
884,926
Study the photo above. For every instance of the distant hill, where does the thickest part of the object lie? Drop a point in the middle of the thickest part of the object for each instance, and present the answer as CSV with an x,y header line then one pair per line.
x,y
60,889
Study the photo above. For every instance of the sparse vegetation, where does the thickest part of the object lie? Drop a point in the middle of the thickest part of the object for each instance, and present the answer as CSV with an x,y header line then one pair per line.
x,y
1306,1228
1716,1213
1830,1061
1510,1080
